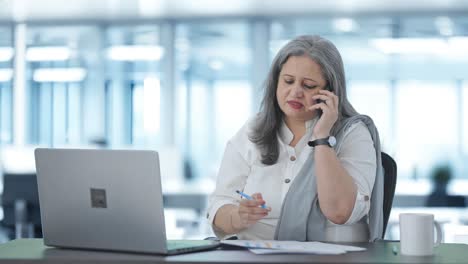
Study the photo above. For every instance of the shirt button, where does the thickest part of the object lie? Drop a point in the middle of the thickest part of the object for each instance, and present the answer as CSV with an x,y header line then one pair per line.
x,y
366,198
292,158
287,181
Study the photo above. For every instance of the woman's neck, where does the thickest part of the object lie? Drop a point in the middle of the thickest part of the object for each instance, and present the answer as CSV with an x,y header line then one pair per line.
x,y
297,128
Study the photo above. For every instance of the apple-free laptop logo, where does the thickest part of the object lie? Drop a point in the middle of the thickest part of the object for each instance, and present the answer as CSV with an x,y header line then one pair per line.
x,y
98,198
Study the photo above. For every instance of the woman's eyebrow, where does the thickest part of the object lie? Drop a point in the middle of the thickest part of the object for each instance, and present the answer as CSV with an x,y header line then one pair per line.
x,y
310,79
306,78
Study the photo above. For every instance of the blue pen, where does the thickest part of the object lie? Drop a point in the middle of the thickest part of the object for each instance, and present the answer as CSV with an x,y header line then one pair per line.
x,y
248,197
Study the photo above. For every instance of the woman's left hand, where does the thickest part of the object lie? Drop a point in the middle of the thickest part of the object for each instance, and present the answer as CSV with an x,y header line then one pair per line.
x,y
329,106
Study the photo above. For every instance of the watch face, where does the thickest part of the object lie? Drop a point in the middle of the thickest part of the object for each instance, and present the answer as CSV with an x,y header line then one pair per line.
x,y
332,141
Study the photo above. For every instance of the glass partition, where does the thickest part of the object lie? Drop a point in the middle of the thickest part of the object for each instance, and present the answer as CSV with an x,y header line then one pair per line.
x,y
213,71
426,126
464,120
6,84
61,69
374,99
133,85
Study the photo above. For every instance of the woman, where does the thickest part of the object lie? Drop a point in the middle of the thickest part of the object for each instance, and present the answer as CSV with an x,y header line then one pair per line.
x,y
270,158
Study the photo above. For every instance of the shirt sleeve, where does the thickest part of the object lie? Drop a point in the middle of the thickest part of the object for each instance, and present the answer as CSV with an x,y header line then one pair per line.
x,y
232,176
357,156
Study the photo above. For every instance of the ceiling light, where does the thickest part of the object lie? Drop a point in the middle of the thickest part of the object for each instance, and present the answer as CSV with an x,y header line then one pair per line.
x,y
345,25
6,53
6,75
50,53
410,45
59,75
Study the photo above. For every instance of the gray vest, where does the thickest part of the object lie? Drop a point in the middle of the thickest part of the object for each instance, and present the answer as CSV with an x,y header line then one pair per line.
x,y
301,218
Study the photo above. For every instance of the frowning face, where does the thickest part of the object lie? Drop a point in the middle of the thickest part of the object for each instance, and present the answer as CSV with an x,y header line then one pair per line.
x,y
299,80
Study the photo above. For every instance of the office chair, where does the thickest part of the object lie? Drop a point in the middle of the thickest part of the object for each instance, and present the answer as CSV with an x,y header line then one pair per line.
x,y
390,178
20,204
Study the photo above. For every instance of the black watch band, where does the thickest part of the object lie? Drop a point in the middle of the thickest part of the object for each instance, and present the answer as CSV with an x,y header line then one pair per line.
x,y
328,141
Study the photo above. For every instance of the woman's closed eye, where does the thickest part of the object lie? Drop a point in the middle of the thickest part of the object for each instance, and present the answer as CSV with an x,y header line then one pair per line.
x,y
310,86
306,86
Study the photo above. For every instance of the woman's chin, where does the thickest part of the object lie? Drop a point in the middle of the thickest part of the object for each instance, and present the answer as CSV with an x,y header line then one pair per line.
x,y
302,116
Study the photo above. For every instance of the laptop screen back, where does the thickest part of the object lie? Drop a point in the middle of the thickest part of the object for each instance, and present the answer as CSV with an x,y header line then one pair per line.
x,y
101,199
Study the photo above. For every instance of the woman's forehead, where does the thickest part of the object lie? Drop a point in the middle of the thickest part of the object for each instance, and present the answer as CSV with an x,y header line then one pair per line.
x,y
303,66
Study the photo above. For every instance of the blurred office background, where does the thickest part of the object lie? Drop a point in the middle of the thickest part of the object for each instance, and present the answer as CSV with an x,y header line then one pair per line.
x,y
182,77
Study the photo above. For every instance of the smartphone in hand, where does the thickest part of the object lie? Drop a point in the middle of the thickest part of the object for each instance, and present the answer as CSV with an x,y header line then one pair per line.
x,y
318,101
319,111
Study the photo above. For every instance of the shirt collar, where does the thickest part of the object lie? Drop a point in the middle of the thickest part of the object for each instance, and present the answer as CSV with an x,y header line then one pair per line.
x,y
285,133
287,136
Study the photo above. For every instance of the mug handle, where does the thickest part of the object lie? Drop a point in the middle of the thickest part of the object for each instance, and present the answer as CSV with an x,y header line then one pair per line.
x,y
439,234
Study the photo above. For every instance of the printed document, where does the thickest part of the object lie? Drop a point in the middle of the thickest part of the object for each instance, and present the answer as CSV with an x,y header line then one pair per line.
x,y
285,247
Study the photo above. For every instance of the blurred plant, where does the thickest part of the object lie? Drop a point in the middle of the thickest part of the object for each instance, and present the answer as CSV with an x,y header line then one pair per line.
x,y
442,174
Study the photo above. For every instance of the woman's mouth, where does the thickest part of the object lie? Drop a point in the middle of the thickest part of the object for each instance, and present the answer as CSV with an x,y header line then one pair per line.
x,y
295,104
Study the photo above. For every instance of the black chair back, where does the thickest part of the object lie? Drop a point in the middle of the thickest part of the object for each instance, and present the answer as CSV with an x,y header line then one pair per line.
x,y
21,187
390,179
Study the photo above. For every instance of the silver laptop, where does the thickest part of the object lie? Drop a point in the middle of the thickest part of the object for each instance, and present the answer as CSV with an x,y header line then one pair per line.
x,y
105,200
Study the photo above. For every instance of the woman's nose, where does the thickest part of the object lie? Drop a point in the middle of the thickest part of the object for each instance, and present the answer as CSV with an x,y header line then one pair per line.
x,y
297,89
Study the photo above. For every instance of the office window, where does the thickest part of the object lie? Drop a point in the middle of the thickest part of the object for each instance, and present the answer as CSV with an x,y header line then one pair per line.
x,y
6,98
426,126
374,99
146,112
431,50
133,75
464,135
56,113
232,108
214,93
462,164
6,84
61,69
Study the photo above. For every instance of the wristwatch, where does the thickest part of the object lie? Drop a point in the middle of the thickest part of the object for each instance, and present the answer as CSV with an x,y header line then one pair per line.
x,y
329,141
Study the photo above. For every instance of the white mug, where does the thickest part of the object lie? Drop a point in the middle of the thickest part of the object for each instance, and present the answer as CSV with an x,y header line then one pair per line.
x,y
417,234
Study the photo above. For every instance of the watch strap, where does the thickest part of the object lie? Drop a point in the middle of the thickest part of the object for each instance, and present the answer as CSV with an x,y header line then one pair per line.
x,y
320,141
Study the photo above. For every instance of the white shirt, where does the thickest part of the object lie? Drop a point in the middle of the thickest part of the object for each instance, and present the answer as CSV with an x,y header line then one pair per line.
x,y
242,169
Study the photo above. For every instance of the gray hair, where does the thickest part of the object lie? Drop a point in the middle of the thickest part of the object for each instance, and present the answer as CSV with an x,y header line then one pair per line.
x,y
268,121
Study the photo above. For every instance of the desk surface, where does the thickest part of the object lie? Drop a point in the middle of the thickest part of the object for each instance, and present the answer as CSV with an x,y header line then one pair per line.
x,y
33,251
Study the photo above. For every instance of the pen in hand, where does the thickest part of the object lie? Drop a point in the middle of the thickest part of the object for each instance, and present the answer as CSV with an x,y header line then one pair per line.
x,y
248,197
394,250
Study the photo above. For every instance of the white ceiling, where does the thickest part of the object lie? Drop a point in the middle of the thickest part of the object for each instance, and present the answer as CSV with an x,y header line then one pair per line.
x,y
37,10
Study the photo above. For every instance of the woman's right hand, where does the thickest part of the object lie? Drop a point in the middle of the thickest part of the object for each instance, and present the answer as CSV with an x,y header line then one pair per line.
x,y
249,212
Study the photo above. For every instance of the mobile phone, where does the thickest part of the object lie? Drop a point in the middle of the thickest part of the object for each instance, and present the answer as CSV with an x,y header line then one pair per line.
x,y
319,111
318,101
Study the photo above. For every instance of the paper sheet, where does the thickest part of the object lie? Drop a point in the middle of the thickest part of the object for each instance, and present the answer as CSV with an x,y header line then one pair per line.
x,y
289,247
